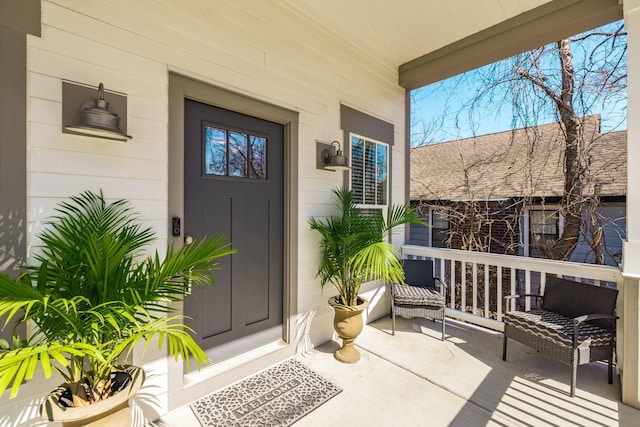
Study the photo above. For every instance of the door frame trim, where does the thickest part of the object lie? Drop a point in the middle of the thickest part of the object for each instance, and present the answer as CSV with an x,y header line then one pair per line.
x,y
181,88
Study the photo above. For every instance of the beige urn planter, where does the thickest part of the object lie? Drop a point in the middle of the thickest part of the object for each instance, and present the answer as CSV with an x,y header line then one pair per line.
x,y
114,411
348,325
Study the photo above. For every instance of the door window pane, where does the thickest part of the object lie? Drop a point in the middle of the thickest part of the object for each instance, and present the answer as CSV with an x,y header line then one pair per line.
x,y
215,151
234,154
258,150
237,154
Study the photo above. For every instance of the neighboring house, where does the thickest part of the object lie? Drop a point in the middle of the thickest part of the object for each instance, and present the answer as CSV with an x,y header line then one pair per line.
x,y
500,193
193,81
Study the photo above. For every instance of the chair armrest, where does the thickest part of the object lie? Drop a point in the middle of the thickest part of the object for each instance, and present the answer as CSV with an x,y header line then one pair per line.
x,y
585,317
507,297
443,288
392,287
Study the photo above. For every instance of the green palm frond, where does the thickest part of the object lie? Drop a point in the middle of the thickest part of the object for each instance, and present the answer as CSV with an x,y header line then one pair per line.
x,y
380,261
92,293
18,365
180,343
399,215
354,247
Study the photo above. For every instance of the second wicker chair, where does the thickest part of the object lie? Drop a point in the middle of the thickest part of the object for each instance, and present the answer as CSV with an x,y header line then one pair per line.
x,y
422,295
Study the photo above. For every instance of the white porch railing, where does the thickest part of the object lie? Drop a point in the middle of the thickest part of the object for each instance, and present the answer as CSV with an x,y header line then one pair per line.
x,y
467,274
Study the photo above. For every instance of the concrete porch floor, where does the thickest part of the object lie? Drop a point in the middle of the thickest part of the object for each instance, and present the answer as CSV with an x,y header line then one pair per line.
x,y
414,379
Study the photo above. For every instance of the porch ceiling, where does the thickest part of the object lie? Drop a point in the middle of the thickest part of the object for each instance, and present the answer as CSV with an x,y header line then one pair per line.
x,y
426,41
421,41
396,32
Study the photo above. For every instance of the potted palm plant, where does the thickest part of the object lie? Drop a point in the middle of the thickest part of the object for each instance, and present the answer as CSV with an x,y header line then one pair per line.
x,y
90,296
356,249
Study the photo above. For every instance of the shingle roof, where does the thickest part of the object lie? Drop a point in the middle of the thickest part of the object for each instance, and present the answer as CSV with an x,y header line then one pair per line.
x,y
497,165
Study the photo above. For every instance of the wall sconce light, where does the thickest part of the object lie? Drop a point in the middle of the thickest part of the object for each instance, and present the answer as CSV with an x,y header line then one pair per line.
x,y
96,117
330,157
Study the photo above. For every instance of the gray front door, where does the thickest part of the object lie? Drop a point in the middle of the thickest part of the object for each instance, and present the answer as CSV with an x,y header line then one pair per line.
x,y
234,185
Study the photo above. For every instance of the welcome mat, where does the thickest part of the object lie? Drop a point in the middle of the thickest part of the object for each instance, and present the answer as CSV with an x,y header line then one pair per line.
x,y
278,396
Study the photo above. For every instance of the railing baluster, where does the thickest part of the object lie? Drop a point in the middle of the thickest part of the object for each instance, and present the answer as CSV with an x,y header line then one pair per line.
x,y
474,290
463,286
527,289
513,288
487,285
452,266
499,291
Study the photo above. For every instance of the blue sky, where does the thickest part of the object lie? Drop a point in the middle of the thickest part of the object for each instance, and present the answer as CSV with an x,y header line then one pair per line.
x,y
440,108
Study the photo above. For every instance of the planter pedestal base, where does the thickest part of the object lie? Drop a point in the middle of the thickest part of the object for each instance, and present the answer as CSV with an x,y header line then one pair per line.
x,y
348,324
347,353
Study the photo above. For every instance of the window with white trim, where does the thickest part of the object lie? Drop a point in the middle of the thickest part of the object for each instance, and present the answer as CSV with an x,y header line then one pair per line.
x,y
544,230
369,173
439,229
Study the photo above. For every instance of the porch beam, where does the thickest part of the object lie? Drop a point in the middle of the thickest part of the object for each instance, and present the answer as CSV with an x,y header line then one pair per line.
x,y
544,24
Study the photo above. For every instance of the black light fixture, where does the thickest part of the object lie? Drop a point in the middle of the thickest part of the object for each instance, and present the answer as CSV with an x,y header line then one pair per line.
x,y
97,119
334,160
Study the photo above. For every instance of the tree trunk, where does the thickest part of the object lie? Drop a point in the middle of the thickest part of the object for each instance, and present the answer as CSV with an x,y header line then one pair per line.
x,y
572,202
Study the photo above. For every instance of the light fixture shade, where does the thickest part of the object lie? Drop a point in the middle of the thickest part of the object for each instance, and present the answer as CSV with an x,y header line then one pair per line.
x,y
337,161
97,119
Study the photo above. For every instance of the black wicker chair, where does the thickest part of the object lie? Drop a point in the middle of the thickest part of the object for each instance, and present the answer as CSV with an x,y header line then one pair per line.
x,y
575,324
422,295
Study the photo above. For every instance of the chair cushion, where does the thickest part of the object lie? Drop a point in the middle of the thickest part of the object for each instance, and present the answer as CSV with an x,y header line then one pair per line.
x,y
557,328
413,295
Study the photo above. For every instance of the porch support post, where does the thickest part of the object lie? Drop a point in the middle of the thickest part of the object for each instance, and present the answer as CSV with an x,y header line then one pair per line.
x,y
629,301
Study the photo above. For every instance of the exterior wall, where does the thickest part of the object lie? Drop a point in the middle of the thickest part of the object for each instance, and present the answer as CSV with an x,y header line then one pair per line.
x,y
497,229
612,217
420,234
508,236
132,47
